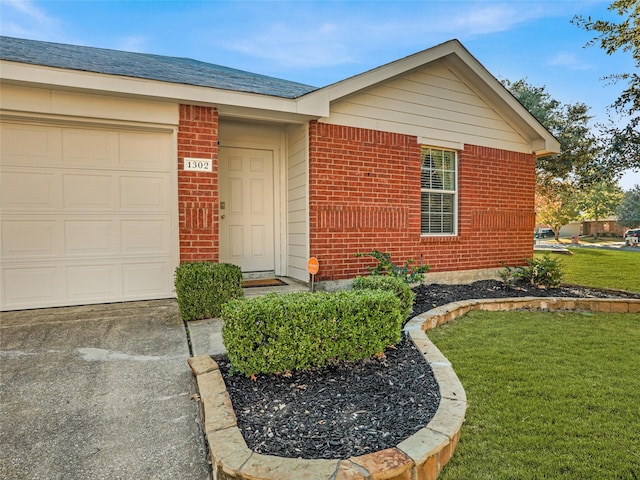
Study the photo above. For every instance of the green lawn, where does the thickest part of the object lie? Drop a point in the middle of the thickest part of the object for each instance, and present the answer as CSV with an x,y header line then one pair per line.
x,y
602,268
550,395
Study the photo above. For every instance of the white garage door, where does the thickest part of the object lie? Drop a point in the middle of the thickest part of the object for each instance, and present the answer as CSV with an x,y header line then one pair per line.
x,y
86,216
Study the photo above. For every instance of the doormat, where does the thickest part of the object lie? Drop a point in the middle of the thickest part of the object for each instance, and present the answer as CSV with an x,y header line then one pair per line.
x,y
262,282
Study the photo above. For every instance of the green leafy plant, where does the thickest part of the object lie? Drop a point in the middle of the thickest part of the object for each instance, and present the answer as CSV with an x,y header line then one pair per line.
x,y
408,273
392,284
297,331
508,275
204,287
541,271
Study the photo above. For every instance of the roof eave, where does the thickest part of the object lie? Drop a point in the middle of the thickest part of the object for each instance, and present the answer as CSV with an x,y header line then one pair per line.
x,y
457,57
88,82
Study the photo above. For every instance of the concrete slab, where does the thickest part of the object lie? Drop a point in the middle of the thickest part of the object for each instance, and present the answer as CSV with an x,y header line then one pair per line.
x,y
99,392
206,337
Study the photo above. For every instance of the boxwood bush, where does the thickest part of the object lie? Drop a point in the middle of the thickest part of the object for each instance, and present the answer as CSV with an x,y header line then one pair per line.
x,y
393,284
204,287
296,331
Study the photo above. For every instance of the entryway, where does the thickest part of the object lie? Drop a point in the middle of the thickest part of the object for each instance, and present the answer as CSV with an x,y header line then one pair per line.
x,y
247,233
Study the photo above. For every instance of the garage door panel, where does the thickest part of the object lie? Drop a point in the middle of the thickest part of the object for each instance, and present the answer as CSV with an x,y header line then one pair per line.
x,y
26,239
32,190
90,237
150,193
92,282
145,279
139,150
145,237
34,287
30,145
87,148
89,192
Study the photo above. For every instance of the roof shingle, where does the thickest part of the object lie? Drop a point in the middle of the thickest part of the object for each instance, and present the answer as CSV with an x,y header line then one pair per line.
x,y
142,65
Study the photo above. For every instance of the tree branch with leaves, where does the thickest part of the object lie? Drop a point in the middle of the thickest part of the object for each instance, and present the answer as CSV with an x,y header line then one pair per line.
x,y
623,142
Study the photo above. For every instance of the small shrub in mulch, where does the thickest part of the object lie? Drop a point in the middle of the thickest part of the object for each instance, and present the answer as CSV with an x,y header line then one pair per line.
x,y
296,331
392,284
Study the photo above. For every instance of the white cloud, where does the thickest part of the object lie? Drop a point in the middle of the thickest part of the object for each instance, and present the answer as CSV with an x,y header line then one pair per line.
x,y
480,19
568,61
353,32
300,46
132,43
22,18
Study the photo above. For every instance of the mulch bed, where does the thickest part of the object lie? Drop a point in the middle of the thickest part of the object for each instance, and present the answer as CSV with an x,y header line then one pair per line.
x,y
353,408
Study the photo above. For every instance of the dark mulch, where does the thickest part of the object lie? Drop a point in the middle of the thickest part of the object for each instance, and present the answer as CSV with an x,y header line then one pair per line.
x,y
435,295
340,411
354,408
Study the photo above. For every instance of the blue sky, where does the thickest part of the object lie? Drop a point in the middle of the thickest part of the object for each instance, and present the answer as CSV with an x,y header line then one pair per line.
x,y
321,42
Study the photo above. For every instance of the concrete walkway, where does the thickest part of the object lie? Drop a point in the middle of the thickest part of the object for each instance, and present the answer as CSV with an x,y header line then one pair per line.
x,y
99,392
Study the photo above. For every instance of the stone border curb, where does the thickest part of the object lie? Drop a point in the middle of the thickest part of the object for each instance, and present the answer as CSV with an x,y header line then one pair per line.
x,y
419,457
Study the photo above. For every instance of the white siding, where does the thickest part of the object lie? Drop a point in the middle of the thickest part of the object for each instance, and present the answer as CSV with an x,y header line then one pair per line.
x,y
432,103
297,203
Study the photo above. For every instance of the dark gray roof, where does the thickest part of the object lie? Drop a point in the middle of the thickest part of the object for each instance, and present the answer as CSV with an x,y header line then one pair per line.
x,y
141,65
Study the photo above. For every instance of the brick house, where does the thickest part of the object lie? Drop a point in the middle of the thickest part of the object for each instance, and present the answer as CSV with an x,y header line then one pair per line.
x,y
118,166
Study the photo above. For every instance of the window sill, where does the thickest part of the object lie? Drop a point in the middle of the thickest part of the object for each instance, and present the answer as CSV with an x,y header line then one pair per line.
x,y
439,238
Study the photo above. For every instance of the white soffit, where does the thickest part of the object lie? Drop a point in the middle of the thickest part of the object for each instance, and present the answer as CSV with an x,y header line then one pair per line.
x,y
39,76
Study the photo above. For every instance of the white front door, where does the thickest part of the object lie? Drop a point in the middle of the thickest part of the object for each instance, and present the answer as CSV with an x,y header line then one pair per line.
x,y
246,209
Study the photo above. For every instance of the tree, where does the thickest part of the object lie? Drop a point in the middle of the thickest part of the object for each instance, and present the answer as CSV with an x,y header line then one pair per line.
x,y
577,160
623,145
629,210
600,200
557,204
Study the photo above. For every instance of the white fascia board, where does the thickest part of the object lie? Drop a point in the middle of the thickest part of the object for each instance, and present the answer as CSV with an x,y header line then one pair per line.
x,y
316,104
47,77
485,85
385,72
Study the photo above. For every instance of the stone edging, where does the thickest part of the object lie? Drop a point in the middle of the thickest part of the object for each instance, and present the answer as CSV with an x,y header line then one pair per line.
x,y
419,457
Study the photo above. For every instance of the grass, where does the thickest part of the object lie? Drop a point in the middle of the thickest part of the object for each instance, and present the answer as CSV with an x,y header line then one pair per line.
x,y
602,268
550,395
593,240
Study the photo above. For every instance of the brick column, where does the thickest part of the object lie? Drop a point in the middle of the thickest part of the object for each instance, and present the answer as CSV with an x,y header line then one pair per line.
x,y
198,195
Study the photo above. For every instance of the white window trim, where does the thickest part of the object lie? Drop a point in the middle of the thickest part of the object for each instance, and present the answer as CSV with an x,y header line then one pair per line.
x,y
454,192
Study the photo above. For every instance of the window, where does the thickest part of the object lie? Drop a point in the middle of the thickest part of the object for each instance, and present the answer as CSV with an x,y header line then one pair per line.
x,y
438,192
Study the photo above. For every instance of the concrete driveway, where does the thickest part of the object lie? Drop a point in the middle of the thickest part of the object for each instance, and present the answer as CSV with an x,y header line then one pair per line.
x,y
99,392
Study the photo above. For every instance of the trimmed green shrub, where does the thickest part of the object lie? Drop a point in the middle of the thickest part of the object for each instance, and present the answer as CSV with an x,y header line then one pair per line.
x,y
204,287
297,331
393,284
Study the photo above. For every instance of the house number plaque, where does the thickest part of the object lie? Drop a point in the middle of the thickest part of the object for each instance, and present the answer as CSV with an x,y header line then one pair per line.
x,y
198,165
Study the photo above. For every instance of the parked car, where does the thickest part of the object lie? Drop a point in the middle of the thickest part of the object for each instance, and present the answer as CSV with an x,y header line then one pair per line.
x,y
544,233
632,237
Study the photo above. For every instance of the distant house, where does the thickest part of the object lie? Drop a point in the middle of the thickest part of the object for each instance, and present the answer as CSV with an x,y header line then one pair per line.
x,y
117,166
573,229
606,226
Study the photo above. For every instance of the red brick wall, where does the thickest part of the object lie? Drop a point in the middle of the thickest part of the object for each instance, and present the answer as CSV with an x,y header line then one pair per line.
x,y
365,195
198,191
